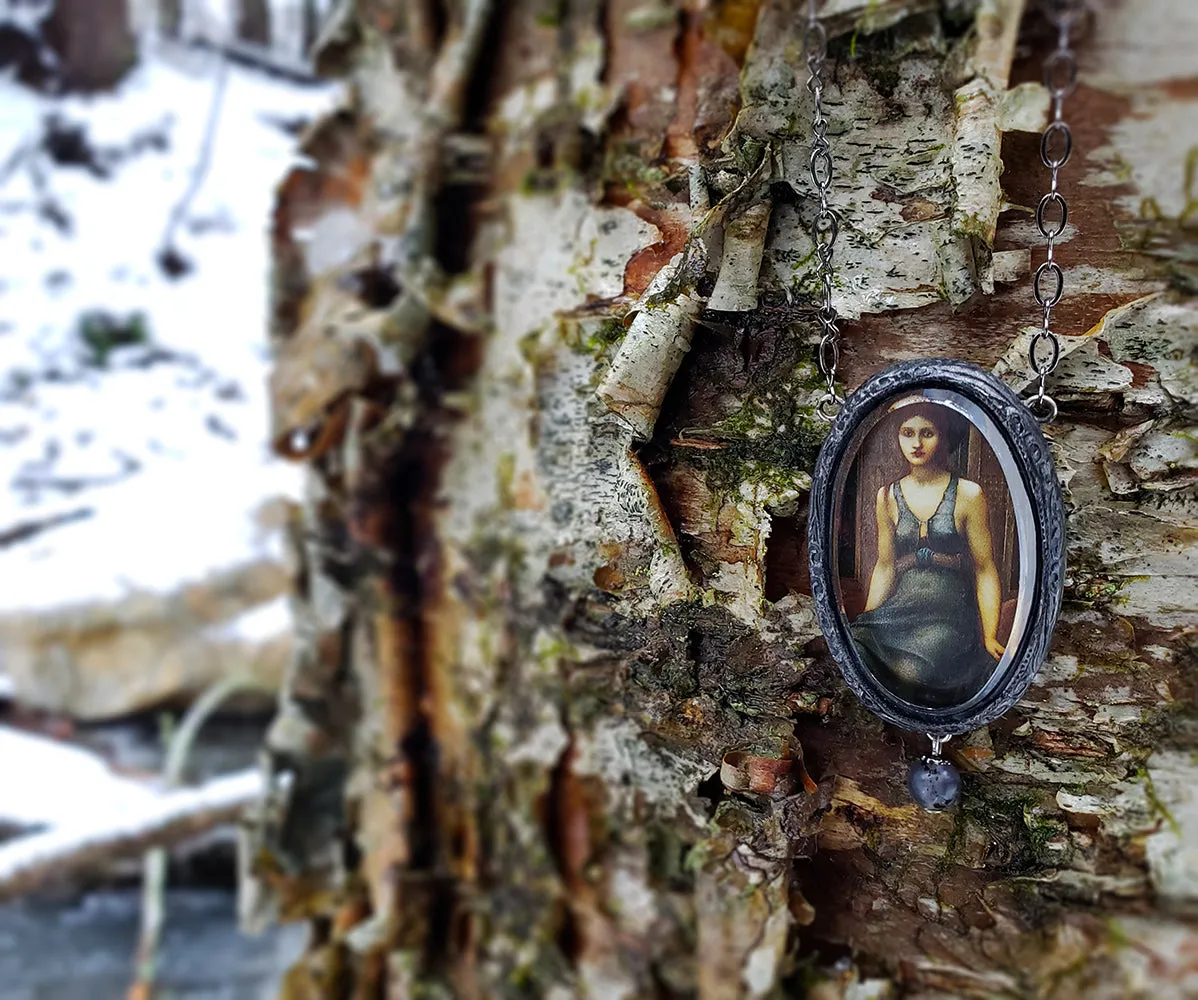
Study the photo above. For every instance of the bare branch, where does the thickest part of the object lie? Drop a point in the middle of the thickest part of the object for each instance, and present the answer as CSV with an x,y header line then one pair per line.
x,y
30,862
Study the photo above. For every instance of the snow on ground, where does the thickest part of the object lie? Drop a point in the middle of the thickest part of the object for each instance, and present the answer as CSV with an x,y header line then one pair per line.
x,y
47,783
103,811
259,624
154,462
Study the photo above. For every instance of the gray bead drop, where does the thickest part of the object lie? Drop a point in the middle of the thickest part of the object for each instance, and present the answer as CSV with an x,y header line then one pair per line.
x,y
934,784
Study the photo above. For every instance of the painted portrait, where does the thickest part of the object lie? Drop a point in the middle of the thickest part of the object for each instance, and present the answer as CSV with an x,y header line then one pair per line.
x,y
928,551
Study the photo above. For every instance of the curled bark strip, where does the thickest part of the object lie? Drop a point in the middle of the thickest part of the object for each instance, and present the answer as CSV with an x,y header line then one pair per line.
x,y
699,444
451,72
645,264
308,444
744,243
653,348
809,703
661,331
809,785
741,771
314,372
1116,449
984,110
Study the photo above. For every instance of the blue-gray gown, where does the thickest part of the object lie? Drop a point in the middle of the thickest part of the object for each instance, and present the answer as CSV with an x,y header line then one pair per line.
x,y
924,642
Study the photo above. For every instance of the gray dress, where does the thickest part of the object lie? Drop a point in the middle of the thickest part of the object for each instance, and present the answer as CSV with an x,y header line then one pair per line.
x,y
924,642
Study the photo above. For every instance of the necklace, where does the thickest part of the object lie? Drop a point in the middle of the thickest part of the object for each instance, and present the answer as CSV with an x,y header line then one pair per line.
x,y
938,625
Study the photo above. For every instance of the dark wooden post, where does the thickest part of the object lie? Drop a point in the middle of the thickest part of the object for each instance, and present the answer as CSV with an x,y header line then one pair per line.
x,y
253,22
94,42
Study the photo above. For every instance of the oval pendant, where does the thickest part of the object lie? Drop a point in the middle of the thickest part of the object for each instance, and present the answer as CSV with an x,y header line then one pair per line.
x,y
937,545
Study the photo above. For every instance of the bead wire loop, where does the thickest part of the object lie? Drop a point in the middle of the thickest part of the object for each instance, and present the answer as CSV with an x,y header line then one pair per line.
x,y
1043,408
828,405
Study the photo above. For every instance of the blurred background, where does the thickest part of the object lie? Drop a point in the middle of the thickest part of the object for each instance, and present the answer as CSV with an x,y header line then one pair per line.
x,y
144,627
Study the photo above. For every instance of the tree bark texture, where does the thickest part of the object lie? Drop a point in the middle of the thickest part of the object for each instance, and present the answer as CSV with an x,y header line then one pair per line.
x,y
561,722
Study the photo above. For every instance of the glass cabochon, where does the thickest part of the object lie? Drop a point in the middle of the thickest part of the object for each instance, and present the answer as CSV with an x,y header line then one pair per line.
x,y
935,542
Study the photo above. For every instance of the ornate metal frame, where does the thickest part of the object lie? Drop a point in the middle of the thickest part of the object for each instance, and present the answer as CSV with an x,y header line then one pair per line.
x,y
1034,460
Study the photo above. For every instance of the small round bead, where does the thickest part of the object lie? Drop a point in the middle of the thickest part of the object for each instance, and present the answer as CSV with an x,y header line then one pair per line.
x,y
934,784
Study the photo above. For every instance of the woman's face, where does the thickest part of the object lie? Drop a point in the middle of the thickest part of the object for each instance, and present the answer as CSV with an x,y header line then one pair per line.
x,y
919,440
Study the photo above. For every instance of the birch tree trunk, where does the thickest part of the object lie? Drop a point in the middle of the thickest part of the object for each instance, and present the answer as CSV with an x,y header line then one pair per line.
x,y
561,723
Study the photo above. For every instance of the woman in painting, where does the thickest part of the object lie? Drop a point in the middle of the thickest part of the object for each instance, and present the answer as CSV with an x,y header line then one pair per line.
x,y
929,631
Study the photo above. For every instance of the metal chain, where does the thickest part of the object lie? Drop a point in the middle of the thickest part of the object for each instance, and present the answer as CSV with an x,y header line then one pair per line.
x,y
1052,213
826,226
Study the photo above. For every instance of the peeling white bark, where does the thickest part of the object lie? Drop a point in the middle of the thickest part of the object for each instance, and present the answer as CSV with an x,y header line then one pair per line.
x,y
656,342
915,170
744,243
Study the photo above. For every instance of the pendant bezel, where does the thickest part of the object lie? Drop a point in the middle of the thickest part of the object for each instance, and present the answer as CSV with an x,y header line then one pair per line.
x,y
1033,459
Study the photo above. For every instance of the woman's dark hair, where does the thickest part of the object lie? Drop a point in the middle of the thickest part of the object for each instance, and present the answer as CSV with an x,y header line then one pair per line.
x,y
949,424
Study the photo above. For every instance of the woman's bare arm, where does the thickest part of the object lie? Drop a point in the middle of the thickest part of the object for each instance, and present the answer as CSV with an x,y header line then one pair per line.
x,y
977,531
881,582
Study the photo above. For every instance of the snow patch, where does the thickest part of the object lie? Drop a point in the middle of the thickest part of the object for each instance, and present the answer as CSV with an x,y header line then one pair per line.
x,y
263,623
152,460
47,783
57,846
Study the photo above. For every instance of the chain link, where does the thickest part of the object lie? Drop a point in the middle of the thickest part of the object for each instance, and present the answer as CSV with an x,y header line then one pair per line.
x,y
825,228
1052,212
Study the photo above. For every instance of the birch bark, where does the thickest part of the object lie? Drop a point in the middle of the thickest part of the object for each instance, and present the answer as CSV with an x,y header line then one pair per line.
x,y
561,723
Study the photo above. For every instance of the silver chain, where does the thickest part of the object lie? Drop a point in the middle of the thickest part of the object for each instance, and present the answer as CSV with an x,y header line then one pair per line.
x,y
826,226
1052,212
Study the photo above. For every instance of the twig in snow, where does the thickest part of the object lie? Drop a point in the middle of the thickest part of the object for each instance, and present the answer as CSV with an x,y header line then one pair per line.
x,y
153,886
172,261
15,159
31,156
24,530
